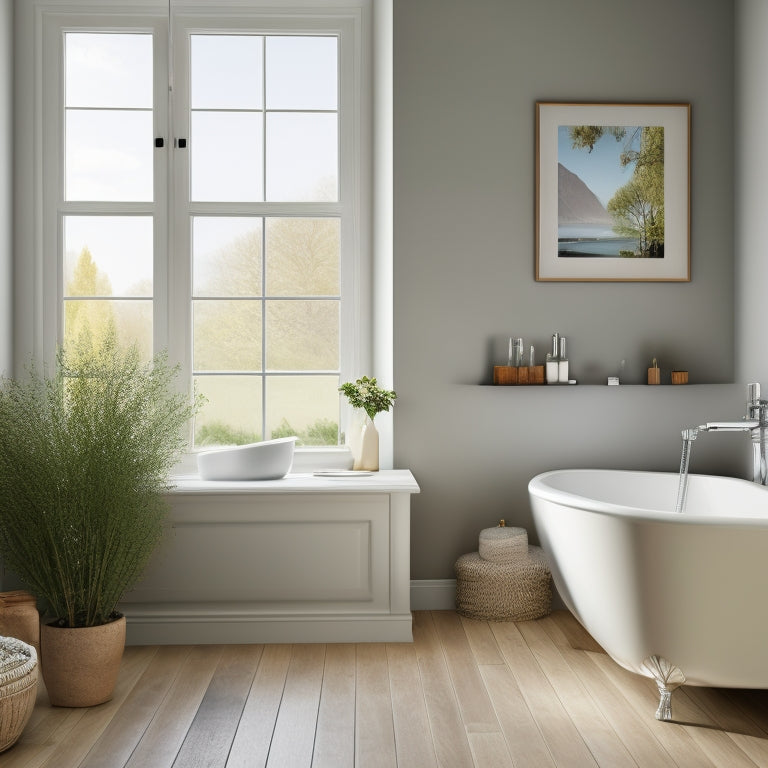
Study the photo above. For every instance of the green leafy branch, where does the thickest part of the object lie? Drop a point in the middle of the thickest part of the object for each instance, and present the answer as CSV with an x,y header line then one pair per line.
x,y
364,393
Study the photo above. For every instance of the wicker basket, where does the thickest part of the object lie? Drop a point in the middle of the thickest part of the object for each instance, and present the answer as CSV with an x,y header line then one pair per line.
x,y
511,591
18,688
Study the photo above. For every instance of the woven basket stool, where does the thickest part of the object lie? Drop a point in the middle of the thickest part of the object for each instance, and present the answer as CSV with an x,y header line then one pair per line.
x,y
503,544
511,591
18,688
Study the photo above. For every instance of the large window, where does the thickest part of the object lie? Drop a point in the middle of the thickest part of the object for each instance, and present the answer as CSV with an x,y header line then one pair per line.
x,y
210,203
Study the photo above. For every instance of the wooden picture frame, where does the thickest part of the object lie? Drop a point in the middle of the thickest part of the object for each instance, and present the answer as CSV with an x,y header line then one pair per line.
x,y
612,192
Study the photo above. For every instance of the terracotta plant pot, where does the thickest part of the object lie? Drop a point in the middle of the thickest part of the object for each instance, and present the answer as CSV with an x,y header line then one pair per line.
x,y
80,666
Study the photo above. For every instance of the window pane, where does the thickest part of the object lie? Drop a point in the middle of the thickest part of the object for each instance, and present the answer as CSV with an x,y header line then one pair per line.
x,y
226,71
302,335
226,159
108,70
93,320
302,73
109,155
303,257
227,335
226,254
108,256
302,157
305,406
232,414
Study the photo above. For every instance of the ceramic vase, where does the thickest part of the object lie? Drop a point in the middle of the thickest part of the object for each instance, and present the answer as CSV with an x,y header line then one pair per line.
x,y
80,665
367,458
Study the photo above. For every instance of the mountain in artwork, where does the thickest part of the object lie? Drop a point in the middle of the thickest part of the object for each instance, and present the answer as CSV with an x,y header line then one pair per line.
x,y
576,202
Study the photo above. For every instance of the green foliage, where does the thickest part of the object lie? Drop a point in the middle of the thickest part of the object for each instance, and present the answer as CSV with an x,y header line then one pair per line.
x,y
586,136
365,394
322,432
284,429
85,455
92,323
219,433
638,206
95,319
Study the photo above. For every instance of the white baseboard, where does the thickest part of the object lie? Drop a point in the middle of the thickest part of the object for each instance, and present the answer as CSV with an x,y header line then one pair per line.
x,y
201,628
433,595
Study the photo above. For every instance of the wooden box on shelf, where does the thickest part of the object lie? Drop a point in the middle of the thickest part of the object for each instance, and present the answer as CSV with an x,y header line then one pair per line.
x,y
524,374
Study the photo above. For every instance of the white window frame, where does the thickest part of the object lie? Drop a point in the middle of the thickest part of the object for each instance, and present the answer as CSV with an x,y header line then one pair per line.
x,y
172,282
351,202
54,207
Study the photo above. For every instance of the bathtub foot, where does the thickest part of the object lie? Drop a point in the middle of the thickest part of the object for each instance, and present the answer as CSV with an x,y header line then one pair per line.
x,y
667,677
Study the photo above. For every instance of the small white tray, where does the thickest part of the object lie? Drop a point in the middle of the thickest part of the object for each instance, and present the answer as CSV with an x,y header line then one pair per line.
x,y
342,473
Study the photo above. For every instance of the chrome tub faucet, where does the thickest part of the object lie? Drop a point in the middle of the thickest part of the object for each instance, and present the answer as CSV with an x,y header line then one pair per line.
x,y
755,422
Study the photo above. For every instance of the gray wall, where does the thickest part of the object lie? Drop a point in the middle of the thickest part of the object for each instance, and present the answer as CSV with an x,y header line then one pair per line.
x,y
6,181
751,188
6,197
467,74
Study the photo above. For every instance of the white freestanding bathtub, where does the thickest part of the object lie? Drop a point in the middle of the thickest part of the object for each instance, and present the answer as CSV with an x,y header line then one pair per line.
x,y
680,597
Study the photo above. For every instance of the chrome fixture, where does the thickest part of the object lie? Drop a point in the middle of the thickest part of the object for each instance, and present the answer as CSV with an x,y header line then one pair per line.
x,y
755,422
667,677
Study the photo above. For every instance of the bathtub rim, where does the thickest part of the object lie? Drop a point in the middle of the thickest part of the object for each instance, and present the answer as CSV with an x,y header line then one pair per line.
x,y
539,488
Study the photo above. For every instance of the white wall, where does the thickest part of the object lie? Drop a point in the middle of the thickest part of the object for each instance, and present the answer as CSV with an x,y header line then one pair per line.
x,y
382,215
467,75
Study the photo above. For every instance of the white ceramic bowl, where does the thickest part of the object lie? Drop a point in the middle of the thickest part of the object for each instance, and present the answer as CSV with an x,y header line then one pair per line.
x,y
267,460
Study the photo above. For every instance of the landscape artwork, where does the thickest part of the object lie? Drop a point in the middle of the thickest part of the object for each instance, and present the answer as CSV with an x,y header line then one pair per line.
x,y
612,192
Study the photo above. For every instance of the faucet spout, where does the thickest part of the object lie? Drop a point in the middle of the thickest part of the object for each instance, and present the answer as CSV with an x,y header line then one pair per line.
x,y
745,425
755,423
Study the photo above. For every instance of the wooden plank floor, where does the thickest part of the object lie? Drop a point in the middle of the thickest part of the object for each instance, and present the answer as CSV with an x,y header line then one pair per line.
x,y
465,693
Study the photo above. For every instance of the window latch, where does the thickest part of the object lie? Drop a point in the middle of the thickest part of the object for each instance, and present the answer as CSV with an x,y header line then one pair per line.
x,y
180,143
159,142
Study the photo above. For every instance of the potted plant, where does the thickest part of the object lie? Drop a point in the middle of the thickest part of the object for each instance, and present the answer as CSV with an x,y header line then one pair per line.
x,y
364,393
85,455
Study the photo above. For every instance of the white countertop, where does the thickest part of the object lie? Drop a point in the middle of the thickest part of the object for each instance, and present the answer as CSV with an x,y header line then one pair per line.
x,y
384,481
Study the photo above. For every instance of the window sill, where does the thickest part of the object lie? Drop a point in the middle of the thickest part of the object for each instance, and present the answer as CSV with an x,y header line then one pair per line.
x,y
385,481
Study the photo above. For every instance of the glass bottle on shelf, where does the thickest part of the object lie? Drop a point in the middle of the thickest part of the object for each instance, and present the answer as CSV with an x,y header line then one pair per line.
x,y
562,363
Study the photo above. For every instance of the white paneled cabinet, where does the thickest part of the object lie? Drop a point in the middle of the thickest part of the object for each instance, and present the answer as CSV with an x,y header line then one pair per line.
x,y
303,559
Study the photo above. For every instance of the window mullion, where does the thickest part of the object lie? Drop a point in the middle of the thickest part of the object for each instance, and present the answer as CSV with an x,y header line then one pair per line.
x,y
163,193
179,243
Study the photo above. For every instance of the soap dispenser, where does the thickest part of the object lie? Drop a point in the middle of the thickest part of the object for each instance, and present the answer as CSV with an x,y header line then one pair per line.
x,y
552,360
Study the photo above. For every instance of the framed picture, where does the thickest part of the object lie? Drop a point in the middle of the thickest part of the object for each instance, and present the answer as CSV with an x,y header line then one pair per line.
x,y
613,192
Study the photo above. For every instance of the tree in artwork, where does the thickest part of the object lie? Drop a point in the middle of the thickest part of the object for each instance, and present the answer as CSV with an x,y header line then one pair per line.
x,y
637,207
